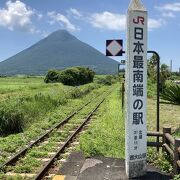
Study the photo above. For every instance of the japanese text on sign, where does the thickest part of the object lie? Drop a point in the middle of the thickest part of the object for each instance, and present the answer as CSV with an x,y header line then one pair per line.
x,y
137,85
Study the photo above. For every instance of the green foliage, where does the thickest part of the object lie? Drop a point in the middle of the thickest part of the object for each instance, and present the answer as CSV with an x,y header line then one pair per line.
x,y
152,72
11,118
175,76
105,135
172,94
17,177
35,127
152,69
72,76
152,76
27,165
107,80
10,144
151,89
37,154
16,113
161,160
76,76
177,177
164,76
52,76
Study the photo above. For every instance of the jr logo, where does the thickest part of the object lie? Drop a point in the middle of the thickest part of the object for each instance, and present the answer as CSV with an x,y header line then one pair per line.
x,y
139,20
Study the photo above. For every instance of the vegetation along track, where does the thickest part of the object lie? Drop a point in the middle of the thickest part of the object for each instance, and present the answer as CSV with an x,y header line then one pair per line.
x,y
56,139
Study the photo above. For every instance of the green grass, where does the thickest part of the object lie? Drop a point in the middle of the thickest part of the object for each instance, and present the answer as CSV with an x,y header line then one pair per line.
x,y
26,165
151,89
18,112
15,84
106,133
12,143
172,94
169,116
55,101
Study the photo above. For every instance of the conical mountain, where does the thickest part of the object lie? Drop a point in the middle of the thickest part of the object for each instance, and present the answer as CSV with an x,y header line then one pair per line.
x,y
57,51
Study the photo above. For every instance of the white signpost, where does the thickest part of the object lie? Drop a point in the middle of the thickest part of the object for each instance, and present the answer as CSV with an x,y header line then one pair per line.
x,y
136,95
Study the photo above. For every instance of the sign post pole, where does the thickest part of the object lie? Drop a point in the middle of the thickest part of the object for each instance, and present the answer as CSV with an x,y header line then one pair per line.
x,y
136,93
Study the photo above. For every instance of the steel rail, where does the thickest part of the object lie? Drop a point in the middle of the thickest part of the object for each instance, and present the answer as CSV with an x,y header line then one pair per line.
x,y
45,169
41,138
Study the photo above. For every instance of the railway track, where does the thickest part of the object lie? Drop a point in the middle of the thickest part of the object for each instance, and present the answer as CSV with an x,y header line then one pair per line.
x,y
60,137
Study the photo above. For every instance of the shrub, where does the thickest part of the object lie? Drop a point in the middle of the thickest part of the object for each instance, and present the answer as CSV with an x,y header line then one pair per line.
x,y
72,76
160,160
52,76
85,74
151,90
18,113
172,94
11,119
107,80
177,177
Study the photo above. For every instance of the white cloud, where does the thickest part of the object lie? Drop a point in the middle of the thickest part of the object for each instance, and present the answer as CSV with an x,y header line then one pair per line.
x,y
108,20
62,20
175,7
155,23
74,12
169,10
40,16
17,16
168,14
117,22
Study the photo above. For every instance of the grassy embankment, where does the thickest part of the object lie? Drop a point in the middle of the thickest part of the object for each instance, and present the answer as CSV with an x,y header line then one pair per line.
x,y
35,107
19,110
106,134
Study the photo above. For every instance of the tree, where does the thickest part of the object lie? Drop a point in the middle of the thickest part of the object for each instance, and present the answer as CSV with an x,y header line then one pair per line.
x,y
152,72
164,75
71,76
164,67
152,68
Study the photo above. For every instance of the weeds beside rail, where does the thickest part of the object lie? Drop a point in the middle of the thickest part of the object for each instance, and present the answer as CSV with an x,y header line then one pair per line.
x,y
170,145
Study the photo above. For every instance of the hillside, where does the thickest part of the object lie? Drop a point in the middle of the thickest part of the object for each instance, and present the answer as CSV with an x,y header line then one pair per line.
x,y
57,51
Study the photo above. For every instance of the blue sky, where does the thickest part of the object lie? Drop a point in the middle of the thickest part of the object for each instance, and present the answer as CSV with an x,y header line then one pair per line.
x,y
23,23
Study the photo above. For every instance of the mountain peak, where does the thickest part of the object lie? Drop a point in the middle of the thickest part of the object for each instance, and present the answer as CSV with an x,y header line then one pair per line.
x,y
61,35
57,51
